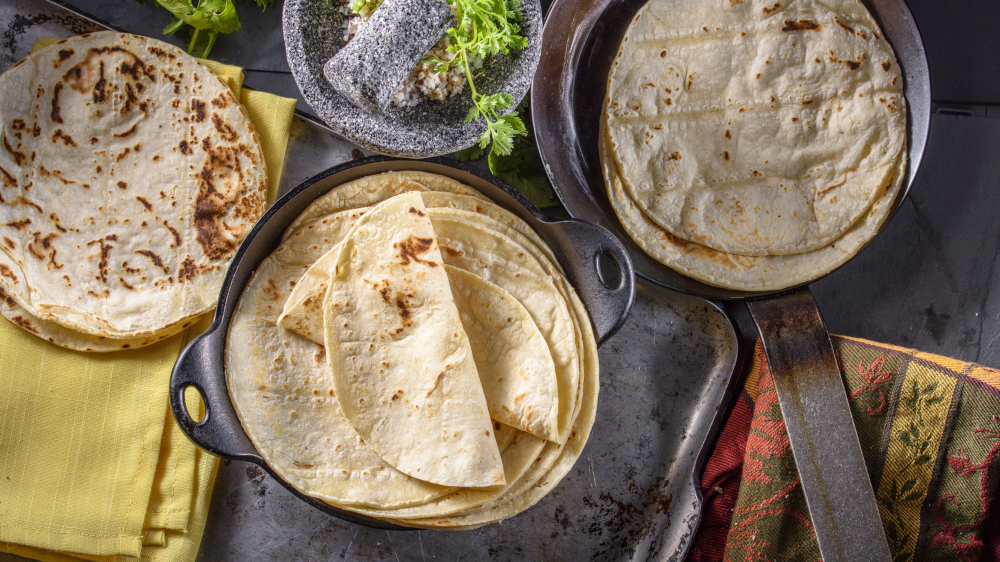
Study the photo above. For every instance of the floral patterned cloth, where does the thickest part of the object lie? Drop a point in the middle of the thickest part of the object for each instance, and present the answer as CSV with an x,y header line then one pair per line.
x,y
929,428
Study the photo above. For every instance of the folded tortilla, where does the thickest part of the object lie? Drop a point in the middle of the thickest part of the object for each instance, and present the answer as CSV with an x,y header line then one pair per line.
x,y
514,357
402,366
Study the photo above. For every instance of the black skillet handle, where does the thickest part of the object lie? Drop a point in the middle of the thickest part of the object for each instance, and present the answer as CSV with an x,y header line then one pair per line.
x,y
600,270
820,428
201,365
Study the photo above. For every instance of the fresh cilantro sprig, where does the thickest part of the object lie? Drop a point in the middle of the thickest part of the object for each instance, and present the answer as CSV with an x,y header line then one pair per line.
x,y
522,167
482,28
203,21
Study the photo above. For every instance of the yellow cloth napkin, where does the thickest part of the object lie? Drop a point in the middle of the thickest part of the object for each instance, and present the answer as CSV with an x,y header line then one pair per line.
x,y
92,464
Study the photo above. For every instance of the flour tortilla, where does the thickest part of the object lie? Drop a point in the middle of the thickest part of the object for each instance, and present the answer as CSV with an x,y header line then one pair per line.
x,y
555,460
272,372
521,457
531,469
72,339
467,244
511,355
508,222
302,311
507,344
745,273
130,174
500,253
756,127
370,190
284,397
527,460
402,366
505,435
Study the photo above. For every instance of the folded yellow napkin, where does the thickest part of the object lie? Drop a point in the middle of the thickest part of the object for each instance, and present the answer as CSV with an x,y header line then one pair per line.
x,y
92,464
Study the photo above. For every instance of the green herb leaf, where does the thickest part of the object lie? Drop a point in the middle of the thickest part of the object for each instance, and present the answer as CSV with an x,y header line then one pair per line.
x,y
201,42
484,139
474,113
207,20
202,21
522,167
213,15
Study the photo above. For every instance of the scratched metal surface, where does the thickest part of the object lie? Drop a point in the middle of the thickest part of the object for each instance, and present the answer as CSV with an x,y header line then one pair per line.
x,y
631,495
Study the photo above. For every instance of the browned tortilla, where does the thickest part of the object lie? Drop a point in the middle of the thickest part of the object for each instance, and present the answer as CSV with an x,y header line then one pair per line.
x,y
130,174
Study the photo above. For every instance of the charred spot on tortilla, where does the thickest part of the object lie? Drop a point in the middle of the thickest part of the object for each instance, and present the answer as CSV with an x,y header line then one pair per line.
x,y
801,25
225,131
7,272
9,181
4,297
25,323
223,100
198,107
19,157
189,270
412,247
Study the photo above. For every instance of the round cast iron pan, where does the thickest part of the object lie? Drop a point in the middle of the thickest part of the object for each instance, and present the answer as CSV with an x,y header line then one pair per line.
x,y
582,250
582,38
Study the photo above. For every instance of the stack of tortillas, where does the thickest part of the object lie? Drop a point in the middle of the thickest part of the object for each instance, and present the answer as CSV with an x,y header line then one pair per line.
x,y
414,353
750,144
130,174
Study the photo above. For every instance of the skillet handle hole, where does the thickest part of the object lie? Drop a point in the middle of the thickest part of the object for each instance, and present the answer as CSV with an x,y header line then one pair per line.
x,y
194,403
609,271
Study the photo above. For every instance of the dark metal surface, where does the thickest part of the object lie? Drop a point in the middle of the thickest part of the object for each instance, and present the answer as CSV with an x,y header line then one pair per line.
x,y
962,46
818,419
582,38
632,495
930,280
576,245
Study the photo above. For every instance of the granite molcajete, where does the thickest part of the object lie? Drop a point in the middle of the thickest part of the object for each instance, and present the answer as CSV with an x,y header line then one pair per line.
x,y
313,32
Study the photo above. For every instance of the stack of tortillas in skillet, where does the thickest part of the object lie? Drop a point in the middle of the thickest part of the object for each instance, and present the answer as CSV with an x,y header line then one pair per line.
x,y
130,174
753,145
413,352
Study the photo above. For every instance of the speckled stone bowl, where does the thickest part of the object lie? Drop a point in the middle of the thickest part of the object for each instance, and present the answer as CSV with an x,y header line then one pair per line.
x,y
313,30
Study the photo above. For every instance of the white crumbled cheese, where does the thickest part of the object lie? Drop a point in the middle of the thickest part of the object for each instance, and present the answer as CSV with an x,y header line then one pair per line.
x,y
423,82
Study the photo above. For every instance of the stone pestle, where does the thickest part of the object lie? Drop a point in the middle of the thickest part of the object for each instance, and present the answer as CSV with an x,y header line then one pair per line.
x,y
375,63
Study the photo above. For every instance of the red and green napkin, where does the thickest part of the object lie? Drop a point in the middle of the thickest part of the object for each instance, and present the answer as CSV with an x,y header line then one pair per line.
x,y
929,428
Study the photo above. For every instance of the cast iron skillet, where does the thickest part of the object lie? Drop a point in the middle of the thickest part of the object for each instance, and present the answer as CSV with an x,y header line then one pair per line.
x,y
581,39
583,250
